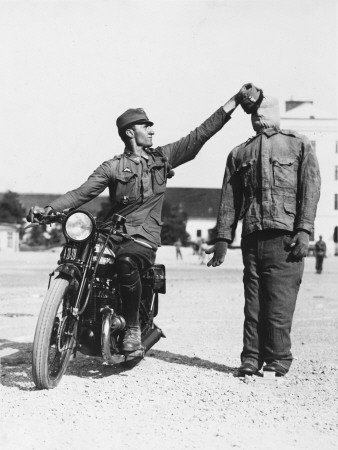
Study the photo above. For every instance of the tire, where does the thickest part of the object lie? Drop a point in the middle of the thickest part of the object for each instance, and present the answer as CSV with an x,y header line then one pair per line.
x,y
54,336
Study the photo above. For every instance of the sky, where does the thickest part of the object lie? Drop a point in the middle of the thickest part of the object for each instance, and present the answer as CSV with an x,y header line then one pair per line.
x,y
70,68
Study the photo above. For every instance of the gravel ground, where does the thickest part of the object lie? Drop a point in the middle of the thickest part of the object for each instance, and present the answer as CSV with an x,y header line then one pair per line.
x,y
185,394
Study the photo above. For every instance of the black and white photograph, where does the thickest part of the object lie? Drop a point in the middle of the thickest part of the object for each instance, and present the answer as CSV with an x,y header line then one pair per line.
x,y
169,224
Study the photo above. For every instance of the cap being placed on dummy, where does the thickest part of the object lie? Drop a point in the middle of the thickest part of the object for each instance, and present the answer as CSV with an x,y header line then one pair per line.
x,y
267,115
250,98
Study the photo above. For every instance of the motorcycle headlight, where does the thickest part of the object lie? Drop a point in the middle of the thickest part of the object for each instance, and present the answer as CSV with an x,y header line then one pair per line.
x,y
78,226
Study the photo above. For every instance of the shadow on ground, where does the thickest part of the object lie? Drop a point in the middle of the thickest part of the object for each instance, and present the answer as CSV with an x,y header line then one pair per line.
x,y
16,368
190,361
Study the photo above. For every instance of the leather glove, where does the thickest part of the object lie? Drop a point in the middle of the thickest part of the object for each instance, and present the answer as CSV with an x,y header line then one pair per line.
x,y
250,97
219,250
37,210
242,93
300,245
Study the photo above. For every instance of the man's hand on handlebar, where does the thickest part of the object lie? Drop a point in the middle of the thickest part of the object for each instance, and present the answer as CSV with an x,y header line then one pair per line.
x,y
36,213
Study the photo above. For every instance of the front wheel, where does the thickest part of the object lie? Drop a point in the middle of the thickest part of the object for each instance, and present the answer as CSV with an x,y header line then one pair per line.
x,y
54,335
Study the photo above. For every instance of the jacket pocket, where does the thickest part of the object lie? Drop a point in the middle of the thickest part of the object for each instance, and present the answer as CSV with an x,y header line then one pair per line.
x,y
159,181
126,187
157,219
153,224
290,206
284,172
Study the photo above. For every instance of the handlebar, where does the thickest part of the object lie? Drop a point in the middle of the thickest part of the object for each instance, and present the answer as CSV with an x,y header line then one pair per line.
x,y
47,219
58,217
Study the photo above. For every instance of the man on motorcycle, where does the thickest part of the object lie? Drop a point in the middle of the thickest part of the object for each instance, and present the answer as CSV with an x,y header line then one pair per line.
x,y
137,182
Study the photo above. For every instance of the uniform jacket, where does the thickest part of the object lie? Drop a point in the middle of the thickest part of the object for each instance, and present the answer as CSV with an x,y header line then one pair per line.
x,y
137,184
271,181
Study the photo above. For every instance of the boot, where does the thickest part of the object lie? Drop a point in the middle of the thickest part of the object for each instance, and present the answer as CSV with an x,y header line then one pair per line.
x,y
132,339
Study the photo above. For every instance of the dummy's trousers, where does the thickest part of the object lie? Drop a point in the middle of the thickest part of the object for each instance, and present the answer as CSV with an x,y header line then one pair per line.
x,y
271,283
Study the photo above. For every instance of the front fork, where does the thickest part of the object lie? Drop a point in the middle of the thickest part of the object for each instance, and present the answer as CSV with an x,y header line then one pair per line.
x,y
79,278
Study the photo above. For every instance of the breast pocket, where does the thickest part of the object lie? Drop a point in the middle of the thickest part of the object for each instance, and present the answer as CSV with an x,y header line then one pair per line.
x,y
285,172
158,180
126,187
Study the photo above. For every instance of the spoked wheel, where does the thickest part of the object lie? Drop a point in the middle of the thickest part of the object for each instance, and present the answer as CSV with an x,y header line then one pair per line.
x,y
54,335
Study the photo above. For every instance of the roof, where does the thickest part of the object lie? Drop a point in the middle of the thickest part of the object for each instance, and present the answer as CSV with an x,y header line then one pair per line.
x,y
306,110
196,202
4,226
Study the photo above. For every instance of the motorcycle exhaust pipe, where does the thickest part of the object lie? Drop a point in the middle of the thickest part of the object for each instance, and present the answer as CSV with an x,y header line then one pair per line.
x,y
152,337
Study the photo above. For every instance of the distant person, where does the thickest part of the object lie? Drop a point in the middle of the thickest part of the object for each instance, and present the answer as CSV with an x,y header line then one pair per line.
x,y
178,245
203,248
137,181
320,254
195,248
272,182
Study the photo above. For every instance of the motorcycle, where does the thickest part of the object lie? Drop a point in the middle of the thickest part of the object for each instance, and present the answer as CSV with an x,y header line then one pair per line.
x,y
82,309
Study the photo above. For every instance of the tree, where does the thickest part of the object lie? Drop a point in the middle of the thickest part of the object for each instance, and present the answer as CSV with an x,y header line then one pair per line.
x,y
36,236
56,236
174,224
11,210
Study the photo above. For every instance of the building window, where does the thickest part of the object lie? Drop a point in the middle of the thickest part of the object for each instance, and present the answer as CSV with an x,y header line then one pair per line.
x,y
10,239
313,143
335,235
335,201
336,173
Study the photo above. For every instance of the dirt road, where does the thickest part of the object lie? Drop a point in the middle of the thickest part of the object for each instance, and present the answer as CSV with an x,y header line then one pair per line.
x,y
185,394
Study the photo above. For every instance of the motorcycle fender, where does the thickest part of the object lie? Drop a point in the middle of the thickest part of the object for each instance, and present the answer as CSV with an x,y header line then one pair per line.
x,y
69,270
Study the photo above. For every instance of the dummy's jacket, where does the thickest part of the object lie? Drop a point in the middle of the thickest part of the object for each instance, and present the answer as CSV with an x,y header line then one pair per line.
x,y
272,181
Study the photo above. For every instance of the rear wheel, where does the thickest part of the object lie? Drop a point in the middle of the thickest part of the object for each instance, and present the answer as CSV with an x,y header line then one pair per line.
x,y
54,335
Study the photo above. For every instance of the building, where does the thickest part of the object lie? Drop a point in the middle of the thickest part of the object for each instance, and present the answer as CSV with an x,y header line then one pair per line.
x,y
201,206
321,129
9,237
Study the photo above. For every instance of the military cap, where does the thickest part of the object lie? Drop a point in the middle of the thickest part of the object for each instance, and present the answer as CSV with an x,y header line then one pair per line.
x,y
252,97
131,116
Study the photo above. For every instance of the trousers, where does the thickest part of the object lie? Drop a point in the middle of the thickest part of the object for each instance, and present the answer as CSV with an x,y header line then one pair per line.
x,y
271,279
319,263
131,261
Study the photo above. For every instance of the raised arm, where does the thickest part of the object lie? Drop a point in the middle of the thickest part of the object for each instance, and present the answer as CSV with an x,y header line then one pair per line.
x,y
187,148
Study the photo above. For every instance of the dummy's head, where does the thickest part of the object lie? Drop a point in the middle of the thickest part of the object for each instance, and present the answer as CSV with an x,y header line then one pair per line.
x,y
266,115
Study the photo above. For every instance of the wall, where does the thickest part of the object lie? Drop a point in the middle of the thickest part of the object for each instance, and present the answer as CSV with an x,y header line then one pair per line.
x,y
324,133
9,243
